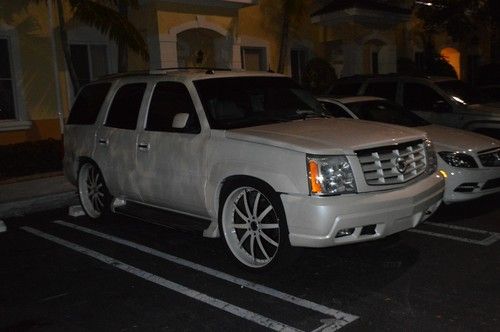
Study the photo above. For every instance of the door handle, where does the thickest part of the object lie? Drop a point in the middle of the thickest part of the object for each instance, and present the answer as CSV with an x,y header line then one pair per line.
x,y
143,146
103,141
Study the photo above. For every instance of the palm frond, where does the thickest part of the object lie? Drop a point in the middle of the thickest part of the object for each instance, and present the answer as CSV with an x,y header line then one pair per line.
x,y
110,23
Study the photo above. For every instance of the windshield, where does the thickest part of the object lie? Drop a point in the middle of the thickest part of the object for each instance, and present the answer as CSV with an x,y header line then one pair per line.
x,y
462,92
385,111
237,102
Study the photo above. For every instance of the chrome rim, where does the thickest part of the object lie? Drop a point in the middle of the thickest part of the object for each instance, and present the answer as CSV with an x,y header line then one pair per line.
x,y
251,227
91,189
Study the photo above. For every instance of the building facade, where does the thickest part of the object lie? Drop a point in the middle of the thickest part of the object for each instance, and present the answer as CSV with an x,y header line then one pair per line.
x,y
356,37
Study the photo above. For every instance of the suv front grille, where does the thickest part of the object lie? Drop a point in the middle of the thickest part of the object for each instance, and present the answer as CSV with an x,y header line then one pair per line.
x,y
393,164
490,158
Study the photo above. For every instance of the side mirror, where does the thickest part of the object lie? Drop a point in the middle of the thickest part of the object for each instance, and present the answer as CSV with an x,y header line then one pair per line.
x,y
180,120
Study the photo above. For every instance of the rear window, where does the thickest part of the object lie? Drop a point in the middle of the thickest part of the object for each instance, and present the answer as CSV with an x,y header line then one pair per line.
x,y
88,103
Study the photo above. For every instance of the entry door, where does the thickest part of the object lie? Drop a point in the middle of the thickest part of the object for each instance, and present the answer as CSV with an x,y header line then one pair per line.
x,y
171,161
117,141
430,105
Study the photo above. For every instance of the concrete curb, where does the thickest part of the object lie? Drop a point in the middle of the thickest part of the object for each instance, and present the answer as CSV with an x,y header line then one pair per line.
x,y
38,204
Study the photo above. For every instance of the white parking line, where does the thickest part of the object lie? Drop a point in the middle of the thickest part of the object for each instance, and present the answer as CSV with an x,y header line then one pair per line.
x,y
235,310
492,238
462,228
341,318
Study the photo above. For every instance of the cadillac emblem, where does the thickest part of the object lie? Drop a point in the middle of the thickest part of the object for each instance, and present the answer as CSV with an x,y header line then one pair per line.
x,y
401,165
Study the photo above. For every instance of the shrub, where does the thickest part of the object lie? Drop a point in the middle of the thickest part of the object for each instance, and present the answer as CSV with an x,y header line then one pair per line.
x,y
30,158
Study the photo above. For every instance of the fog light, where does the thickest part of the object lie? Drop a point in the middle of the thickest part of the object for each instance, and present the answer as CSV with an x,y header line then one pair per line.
x,y
345,232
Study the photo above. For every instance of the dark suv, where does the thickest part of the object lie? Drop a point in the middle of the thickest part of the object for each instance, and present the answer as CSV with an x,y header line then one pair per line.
x,y
440,100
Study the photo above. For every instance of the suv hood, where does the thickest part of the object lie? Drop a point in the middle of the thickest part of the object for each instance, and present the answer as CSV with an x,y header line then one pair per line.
x,y
326,136
452,139
492,109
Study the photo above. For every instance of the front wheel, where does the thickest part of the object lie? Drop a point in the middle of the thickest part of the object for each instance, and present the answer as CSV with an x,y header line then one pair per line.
x,y
94,195
253,224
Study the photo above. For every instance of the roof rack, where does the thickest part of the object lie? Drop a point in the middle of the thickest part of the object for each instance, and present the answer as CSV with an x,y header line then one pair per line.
x,y
125,74
209,70
365,76
161,71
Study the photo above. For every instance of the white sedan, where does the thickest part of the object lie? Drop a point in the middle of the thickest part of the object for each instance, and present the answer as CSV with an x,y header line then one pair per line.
x,y
469,162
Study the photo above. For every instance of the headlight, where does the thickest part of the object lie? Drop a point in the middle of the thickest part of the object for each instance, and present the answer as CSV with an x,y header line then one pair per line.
x,y
330,175
431,157
457,159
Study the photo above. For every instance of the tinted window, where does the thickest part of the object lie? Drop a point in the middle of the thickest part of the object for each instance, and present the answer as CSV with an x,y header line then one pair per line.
x,y
169,99
385,111
385,90
237,102
335,110
125,107
345,89
88,103
419,97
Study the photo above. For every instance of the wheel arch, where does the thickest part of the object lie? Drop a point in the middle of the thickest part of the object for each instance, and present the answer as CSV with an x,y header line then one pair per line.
x,y
85,159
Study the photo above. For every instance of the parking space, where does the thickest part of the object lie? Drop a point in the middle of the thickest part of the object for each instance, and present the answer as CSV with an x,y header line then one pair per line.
x,y
123,274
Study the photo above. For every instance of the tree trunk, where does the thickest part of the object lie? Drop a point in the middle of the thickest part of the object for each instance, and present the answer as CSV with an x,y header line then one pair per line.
x,y
283,43
122,47
65,47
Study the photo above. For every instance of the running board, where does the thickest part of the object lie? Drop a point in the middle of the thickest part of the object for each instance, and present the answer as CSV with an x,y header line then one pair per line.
x,y
162,217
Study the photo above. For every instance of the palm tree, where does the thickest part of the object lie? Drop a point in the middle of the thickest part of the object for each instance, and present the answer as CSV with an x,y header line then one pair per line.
x,y
113,23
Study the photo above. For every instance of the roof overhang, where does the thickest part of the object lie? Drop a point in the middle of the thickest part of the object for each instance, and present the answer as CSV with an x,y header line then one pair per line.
x,y
230,4
364,16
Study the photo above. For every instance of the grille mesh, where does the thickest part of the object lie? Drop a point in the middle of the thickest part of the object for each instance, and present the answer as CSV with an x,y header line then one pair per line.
x,y
490,158
393,164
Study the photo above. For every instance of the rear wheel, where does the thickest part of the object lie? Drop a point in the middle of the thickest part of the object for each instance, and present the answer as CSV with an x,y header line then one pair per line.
x,y
94,195
253,224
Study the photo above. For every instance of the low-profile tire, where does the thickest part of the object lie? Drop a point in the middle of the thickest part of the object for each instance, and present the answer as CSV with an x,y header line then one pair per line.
x,y
94,195
253,225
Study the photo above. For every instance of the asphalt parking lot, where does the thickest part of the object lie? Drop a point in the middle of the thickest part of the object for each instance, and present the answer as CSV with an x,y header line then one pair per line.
x,y
64,273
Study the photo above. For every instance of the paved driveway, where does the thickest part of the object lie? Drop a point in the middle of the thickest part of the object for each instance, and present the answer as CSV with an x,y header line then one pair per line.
x,y
64,273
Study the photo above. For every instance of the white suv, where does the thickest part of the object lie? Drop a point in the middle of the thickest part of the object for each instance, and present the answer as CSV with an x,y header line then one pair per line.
x,y
250,153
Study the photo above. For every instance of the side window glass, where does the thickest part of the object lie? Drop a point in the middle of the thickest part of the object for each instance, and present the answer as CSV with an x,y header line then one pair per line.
x,y
345,89
125,107
385,90
419,97
335,110
88,103
169,99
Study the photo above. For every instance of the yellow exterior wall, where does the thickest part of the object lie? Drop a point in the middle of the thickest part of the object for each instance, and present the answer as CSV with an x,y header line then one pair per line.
x,y
37,69
40,130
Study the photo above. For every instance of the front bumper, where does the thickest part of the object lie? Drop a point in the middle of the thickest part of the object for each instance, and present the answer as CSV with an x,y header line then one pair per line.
x,y
315,221
464,184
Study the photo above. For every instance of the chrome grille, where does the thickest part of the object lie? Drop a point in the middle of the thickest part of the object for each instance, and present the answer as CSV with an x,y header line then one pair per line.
x,y
393,164
490,158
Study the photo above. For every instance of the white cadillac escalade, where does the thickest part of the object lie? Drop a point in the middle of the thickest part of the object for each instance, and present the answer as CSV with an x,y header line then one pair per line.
x,y
251,154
